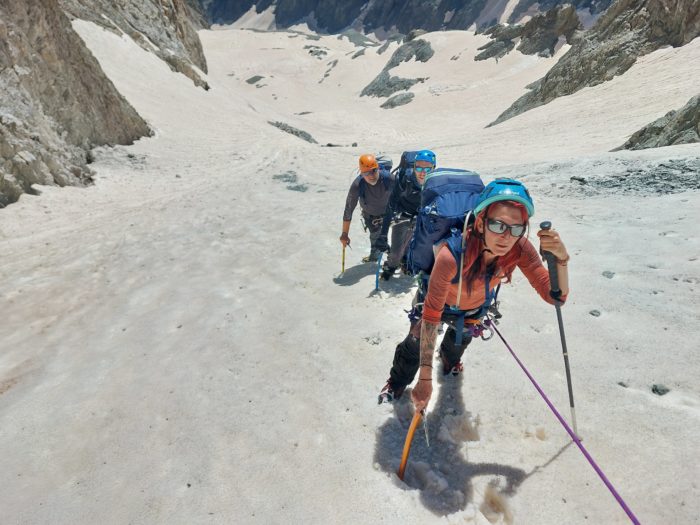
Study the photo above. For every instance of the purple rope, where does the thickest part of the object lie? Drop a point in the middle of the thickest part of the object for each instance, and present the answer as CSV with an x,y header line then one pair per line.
x,y
571,432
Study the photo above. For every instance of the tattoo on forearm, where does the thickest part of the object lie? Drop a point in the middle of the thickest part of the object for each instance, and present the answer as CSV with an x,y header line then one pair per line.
x,y
428,336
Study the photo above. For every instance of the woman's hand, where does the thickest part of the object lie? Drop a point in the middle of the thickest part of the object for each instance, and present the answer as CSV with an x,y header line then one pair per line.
x,y
551,242
421,394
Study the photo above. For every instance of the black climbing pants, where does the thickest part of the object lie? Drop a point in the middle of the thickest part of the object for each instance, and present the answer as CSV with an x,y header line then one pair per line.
x,y
407,354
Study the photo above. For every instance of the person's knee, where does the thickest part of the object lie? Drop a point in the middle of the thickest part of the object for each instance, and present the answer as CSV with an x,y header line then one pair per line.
x,y
408,350
406,359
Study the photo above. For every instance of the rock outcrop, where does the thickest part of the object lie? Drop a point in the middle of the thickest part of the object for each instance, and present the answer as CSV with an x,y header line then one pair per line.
x,y
539,36
398,100
384,85
676,127
55,101
628,29
166,28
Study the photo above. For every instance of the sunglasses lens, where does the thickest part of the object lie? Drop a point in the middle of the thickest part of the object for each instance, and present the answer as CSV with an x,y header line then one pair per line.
x,y
496,226
517,230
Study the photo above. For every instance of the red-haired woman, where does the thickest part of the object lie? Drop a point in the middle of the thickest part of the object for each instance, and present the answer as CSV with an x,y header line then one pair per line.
x,y
496,244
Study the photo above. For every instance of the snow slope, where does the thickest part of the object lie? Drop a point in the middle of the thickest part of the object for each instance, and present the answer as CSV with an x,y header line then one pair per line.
x,y
177,345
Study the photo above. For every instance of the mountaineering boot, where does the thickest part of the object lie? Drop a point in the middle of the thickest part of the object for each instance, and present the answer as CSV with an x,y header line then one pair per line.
x,y
447,369
372,257
389,394
456,369
387,272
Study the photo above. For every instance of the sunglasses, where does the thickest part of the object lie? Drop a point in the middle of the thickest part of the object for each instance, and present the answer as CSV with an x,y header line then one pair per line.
x,y
370,173
421,170
516,230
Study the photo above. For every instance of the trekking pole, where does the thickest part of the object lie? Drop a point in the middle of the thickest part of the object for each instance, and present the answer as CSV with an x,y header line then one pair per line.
x,y
556,295
342,267
408,442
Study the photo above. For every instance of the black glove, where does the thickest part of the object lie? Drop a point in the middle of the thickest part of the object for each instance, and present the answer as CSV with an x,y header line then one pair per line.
x,y
381,244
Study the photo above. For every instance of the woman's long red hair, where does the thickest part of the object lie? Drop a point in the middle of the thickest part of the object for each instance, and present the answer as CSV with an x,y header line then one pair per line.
x,y
474,264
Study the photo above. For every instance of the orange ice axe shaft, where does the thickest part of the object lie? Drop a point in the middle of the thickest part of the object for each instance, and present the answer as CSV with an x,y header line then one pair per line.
x,y
407,444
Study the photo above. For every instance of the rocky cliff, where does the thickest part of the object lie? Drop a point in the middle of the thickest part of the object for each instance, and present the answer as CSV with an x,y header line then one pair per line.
x,y
534,6
164,27
676,127
627,30
55,101
390,15
539,35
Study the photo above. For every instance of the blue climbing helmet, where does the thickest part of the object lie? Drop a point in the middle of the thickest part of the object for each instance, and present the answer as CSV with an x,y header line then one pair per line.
x,y
425,155
505,190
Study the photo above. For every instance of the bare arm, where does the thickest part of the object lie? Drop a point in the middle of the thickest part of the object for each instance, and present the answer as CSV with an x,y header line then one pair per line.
x,y
424,389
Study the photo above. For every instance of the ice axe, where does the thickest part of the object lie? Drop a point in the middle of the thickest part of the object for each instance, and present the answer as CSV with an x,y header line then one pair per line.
x,y
555,293
409,441
342,264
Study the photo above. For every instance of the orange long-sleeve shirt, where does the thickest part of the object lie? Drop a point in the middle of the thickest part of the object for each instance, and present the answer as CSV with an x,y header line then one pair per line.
x,y
441,290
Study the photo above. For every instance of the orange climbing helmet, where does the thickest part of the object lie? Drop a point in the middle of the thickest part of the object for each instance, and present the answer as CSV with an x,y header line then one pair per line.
x,y
368,162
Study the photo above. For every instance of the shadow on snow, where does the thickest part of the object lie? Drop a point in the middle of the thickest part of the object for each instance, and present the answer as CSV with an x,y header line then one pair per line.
x,y
442,471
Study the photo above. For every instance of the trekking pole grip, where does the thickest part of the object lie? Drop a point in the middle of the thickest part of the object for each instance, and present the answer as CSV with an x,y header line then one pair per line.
x,y
551,265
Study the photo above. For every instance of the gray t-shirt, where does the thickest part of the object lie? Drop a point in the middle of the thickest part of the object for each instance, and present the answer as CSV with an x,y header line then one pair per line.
x,y
376,197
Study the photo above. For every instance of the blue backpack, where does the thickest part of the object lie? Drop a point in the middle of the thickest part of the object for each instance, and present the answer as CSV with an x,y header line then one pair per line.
x,y
385,165
447,198
448,195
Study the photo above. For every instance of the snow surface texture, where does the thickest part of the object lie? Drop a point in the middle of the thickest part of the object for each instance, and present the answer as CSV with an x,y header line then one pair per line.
x,y
178,346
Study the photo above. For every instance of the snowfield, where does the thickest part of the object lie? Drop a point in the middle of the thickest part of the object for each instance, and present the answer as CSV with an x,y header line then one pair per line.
x,y
178,346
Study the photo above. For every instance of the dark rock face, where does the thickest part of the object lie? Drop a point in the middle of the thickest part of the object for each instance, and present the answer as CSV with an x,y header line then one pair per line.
x,y
495,49
293,131
368,15
169,25
594,6
676,127
55,101
398,100
384,85
541,34
628,30
538,36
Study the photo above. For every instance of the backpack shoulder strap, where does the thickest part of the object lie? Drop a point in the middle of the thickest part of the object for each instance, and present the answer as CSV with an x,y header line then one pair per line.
x,y
386,180
361,188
